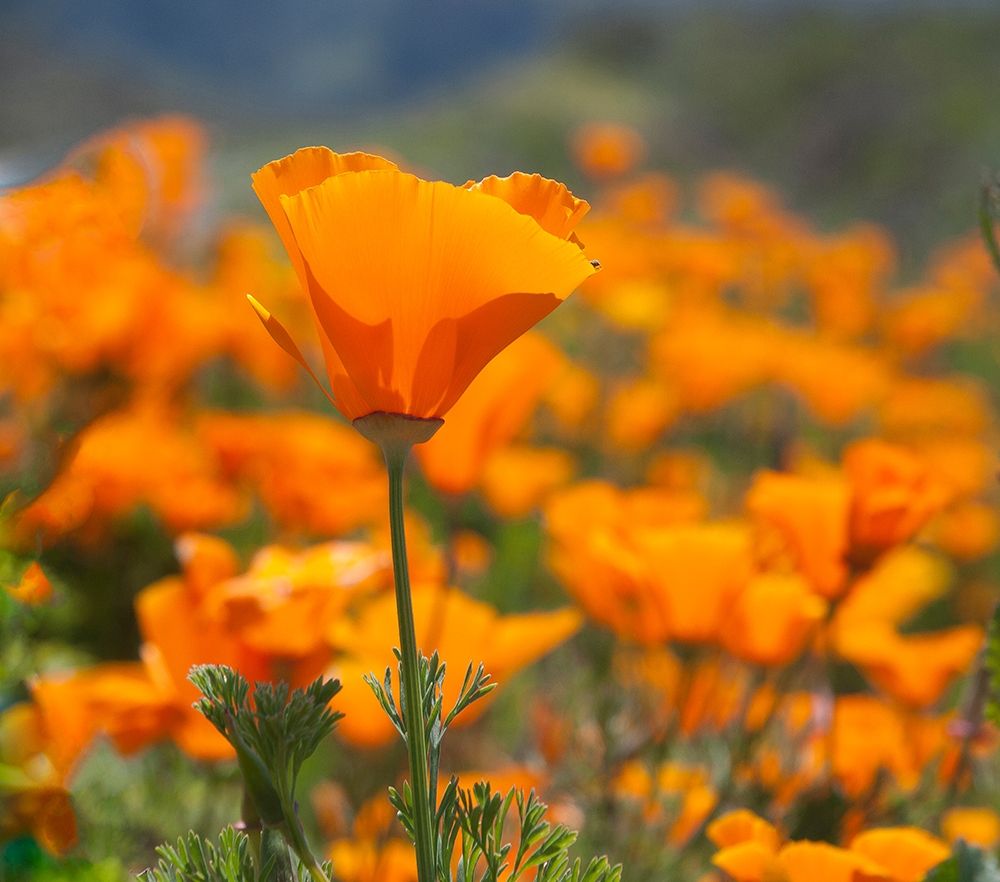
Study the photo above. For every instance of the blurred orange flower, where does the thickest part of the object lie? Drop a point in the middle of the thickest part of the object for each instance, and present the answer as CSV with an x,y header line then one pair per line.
x,y
893,495
915,669
500,402
907,853
711,358
681,794
915,406
607,149
837,381
603,542
519,478
845,277
142,455
750,851
376,850
742,825
33,794
152,169
772,620
968,531
33,587
638,413
463,630
648,200
802,525
291,459
116,699
415,284
977,826
900,583
871,736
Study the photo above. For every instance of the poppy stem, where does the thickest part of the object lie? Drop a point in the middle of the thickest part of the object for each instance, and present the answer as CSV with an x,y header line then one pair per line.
x,y
411,698
395,434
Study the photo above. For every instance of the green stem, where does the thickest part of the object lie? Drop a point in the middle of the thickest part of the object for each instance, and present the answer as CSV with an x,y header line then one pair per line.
x,y
296,838
315,873
413,711
987,201
251,821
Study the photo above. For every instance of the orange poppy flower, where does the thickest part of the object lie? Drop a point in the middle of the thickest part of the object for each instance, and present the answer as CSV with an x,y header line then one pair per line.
x,y
915,669
906,852
519,478
920,405
120,700
742,825
770,622
33,794
901,583
290,458
682,794
33,588
416,284
894,495
713,357
837,381
596,531
872,737
750,851
647,201
375,851
802,524
968,531
797,862
639,412
461,629
366,860
845,276
607,149
152,170
499,405
978,826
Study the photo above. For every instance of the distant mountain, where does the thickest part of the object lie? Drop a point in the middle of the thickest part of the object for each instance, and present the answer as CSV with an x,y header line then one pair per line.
x,y
293,57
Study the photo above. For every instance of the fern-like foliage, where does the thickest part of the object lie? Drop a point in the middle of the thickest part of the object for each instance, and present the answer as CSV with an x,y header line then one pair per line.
x,y
989,214
991,662
194,859
273,734
476,822
475,685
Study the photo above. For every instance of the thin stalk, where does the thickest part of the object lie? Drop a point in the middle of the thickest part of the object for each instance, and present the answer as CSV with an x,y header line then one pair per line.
x,y
413,711
252,826
294,835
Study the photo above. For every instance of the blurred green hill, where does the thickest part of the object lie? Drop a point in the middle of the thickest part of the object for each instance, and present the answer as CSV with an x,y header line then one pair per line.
x,y
891,117
876,110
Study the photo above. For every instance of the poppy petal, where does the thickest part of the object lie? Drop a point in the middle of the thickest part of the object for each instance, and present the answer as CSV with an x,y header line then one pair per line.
x,y
549,202
433,278
304,168
285,341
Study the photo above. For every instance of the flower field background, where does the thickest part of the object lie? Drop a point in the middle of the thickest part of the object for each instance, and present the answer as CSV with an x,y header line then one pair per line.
x,y
724,527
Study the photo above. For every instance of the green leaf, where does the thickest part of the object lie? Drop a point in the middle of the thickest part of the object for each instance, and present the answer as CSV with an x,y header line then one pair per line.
x,y
992,665
194,859
966,864
989,214
273,733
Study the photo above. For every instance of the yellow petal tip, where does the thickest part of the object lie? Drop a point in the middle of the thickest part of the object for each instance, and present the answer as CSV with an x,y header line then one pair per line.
x,y
258,308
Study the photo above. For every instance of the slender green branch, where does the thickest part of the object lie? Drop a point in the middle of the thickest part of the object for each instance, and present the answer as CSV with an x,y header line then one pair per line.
x,y
416,736
989,208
